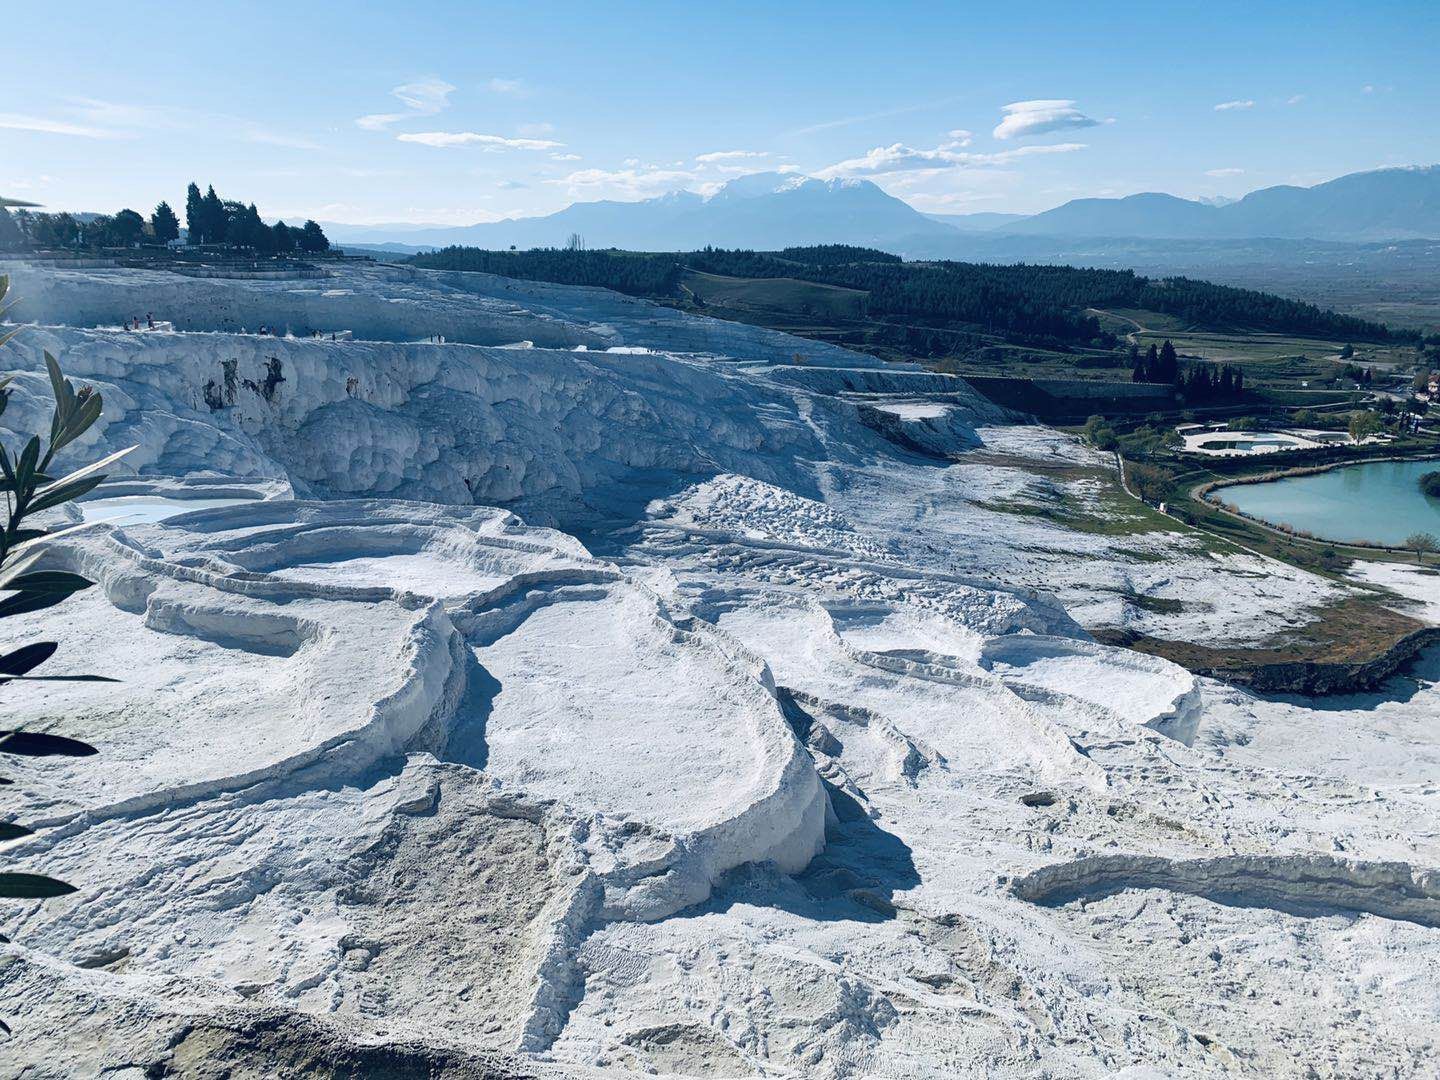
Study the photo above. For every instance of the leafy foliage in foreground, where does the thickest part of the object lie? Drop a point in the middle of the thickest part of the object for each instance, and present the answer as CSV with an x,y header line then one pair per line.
x,y
29,489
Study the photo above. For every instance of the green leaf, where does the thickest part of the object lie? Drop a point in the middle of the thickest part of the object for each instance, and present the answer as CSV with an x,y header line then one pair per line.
x,y
25,470
27,658
56,678
17,565
61,581
42,744
54,534
79,421
11,831
60,387
56,494
22,603
94,467
22,535
39,478
32,886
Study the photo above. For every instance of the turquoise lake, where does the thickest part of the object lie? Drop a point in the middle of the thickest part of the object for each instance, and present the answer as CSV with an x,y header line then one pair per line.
x,y
1379,501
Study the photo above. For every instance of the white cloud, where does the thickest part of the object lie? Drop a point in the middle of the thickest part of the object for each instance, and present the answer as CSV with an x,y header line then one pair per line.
x,y
509,87
1231,106
424,97
961,136
17,122
256,134
40,181
116,120
379,121
638,183
511,185
898,158
442,139
1294,99
112,114
1224,172
864,118
1367,89
717,157
1023,118
564,157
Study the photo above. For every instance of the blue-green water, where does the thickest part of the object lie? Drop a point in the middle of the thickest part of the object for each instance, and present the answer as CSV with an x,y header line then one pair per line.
x,y
1379,501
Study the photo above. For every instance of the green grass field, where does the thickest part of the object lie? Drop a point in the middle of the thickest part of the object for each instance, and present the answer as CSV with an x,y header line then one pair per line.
x,y
788,295
1278,360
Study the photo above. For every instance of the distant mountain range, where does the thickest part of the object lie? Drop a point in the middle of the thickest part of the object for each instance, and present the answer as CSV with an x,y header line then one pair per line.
x,y
763,210
774,210
1388,204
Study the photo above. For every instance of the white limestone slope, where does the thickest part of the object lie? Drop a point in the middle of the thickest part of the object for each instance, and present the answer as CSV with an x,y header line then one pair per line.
x,y
781,759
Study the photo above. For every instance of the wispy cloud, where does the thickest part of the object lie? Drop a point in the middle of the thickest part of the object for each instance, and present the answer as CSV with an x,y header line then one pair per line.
x,y
1039,117
509,87
1232,106
1294,99
862,118
443,139
265,137
511,185
636,183
720,157
115,115
564,157
95,119
423,97
19,122
899,158
1224,172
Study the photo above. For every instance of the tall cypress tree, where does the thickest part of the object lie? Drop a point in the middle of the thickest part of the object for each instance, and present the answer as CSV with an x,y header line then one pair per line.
x,y
216,219
1169,363
195,213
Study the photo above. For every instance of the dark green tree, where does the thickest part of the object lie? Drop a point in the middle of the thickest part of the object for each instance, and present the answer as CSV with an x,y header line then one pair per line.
x,y
127,227
313,239
215,218
164,224
10,234
284,238
195,213
1169,364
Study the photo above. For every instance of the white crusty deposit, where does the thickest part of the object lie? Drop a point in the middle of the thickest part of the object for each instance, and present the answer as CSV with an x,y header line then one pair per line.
x,y
720,705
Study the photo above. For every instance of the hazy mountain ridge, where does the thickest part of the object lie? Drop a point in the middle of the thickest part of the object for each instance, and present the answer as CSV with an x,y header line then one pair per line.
x,y
760,210
1386,204
771,210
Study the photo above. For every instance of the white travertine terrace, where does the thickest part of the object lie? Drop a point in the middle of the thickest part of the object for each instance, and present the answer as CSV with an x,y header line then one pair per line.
x,y
697,709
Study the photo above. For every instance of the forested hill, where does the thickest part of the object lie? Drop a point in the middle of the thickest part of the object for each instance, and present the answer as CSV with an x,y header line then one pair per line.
x,y
1024,302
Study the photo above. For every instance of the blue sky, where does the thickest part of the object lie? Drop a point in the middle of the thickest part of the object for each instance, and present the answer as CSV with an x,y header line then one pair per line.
x,y
462,112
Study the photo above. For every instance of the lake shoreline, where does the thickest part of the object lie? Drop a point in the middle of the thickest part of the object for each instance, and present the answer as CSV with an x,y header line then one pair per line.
x,y
1206,493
